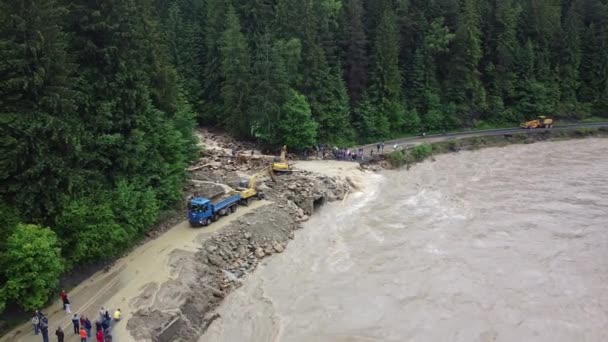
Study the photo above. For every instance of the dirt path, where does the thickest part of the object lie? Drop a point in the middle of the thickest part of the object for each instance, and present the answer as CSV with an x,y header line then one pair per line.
x,y
147,264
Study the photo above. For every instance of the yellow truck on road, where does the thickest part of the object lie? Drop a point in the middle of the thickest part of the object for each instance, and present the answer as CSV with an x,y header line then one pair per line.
x,y
541,122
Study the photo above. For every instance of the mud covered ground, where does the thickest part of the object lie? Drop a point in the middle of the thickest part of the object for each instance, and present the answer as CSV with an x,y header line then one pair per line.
x,y
181,308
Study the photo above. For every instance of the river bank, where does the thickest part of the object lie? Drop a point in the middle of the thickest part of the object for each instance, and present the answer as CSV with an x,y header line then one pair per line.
x,y
485,245
408,155
170,288
183,307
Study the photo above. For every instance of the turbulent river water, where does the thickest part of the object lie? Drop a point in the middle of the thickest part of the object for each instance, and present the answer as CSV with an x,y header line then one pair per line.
x,y
502,244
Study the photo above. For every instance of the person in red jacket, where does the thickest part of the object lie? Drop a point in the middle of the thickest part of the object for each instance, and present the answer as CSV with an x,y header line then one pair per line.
x,y
100,336
66,302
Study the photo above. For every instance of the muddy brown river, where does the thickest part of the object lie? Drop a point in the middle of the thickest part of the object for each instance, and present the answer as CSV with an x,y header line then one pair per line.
x,y
502,244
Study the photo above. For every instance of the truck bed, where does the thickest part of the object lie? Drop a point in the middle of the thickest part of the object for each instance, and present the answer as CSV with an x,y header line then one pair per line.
x,y
225,200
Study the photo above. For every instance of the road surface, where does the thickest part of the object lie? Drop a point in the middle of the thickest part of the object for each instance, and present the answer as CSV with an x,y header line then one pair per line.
x,y
116,288
412,141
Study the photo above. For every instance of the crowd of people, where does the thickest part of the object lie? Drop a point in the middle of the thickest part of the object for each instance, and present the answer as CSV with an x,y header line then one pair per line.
x,y
82,325
345,154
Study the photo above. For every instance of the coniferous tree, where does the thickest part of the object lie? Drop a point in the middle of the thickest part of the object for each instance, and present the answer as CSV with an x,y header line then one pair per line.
x,y
41,135
385,89
215,25
464,85
297,125
235,68
504,79
354,44
185,46
334,112
570,60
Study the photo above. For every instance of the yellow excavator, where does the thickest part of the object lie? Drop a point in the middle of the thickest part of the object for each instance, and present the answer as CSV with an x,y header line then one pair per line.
x,y
280,164
248,190
541,122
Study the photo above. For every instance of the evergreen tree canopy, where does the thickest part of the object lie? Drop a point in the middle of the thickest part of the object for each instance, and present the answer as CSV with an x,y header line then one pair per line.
x,y
98,99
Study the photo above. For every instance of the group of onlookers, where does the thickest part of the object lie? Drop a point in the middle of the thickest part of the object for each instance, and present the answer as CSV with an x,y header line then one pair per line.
x,y
82,325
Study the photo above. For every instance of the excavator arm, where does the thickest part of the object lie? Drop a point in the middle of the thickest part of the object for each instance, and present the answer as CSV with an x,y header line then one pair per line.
x,y
253,179
283,158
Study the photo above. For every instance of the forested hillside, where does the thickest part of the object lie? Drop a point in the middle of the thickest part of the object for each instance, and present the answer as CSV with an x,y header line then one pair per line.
x,y
94,136
98,99
372,69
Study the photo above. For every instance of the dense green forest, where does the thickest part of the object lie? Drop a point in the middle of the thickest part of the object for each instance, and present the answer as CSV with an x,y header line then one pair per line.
x,y
98,99
373,69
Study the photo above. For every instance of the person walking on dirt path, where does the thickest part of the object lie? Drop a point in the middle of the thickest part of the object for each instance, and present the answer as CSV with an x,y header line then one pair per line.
x,y
66,302
45,333
83,335
99,336
36,324
75,323
382,146
378,148
66,307
88,326
64,296
60,335
44,329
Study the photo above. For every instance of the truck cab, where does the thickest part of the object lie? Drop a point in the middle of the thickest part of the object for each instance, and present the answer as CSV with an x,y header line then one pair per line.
x,y
200,211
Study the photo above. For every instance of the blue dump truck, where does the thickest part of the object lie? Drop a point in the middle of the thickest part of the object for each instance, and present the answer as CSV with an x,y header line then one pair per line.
x,y
202,211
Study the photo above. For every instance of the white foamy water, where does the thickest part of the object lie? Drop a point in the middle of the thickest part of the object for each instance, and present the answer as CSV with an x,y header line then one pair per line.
x,y
503,244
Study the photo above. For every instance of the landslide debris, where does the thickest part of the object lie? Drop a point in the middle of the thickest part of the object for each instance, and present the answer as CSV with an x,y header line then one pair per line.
x,y
181,309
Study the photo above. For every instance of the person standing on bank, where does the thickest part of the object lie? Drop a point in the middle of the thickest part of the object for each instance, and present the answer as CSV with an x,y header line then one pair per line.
x,y
76,323
99,336
44,329
36,324
88,326
83,335
60,335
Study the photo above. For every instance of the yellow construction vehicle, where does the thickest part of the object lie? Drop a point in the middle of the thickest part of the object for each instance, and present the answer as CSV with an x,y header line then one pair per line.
x,y
248,190
280,164
541,122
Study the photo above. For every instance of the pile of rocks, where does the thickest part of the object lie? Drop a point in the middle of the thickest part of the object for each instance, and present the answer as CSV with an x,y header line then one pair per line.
x,y
308,190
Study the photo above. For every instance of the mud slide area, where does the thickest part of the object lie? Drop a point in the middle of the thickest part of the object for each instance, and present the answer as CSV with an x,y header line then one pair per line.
x,y
156,262
181,308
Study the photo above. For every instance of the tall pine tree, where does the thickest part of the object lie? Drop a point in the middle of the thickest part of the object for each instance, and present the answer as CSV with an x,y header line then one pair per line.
x,y
236,74
39,124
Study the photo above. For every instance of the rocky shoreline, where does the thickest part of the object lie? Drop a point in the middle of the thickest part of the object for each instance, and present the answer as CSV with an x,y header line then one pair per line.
x,y
183,308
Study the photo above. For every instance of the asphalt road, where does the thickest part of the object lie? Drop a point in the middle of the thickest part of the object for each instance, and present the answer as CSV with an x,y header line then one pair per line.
x,y
389,145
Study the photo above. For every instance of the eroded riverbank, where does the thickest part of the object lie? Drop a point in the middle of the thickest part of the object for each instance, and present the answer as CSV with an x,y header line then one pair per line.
x,y
500,244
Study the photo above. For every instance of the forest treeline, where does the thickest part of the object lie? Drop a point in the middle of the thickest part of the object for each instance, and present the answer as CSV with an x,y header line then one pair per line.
x,y
336,71
98,99
95,136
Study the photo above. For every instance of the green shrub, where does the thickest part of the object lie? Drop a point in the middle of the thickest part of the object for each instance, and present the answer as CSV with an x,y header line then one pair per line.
x,y
421,152
32,264
397,158
585,131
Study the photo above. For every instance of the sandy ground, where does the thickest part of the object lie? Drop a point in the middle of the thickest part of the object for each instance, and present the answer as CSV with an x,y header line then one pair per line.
x,y
116,288
329,167
334,168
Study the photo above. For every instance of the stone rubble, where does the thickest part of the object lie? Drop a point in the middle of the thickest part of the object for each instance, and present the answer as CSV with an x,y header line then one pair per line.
x,y
228,256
